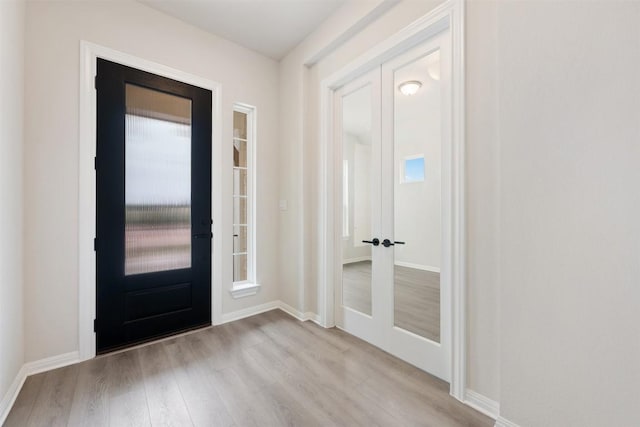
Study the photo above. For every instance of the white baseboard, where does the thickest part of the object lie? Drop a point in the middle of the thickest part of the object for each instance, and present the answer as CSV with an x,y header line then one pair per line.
x,y
503,422
33,368
357,259
303,317
315,318
10,396
250,311
417,266
291,311
482,403
51,363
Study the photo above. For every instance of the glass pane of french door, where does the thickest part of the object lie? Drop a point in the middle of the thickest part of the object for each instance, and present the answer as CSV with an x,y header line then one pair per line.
x,y
356,199
417,196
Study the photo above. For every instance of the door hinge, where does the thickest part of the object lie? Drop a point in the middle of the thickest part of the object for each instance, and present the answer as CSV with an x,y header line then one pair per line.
x,y
95,163
95,325
95,244
95,82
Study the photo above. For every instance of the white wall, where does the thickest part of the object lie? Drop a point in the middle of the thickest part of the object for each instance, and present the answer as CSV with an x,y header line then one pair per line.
x,y
569,128
12,18
54,31
482,186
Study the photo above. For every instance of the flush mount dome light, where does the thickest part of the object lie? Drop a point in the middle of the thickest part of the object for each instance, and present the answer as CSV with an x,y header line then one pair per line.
x,y
410,88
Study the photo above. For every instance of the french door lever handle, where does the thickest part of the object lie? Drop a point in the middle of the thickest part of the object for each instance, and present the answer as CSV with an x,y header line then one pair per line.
x,y
203,236
386,243
374,242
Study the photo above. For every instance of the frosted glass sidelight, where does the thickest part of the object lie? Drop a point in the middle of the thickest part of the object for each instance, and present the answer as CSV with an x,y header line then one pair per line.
x,y
357,128
417,198
157,181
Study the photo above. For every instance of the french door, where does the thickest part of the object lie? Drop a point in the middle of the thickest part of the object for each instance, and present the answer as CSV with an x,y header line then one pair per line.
x,y
394,290
153,244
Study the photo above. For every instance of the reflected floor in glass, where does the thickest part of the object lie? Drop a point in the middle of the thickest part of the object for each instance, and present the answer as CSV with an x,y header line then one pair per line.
x,y
417,297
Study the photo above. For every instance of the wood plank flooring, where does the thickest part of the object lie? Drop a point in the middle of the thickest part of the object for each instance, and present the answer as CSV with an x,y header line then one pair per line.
x,y
266,370
416,293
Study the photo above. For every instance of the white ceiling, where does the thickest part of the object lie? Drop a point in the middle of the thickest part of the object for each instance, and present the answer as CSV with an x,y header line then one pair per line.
x,y
271,27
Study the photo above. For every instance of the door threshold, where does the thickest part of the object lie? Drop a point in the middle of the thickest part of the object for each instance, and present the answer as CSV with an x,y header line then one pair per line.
x,y
154,340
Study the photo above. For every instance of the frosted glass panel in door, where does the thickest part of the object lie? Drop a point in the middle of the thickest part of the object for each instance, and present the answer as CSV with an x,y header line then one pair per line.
x,y
357,210
157,181
417,197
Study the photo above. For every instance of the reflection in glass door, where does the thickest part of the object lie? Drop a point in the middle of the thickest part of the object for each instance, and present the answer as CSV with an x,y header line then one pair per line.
x,y
416,188
357,115
395,158
417,140
356,149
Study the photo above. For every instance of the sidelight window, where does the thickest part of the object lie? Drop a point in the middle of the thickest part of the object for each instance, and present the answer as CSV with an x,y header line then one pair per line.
x,y
243,197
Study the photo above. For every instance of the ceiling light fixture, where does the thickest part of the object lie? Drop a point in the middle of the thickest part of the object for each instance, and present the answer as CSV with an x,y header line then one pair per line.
x,y
410,87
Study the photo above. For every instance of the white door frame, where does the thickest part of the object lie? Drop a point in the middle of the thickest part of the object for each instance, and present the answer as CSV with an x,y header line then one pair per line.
x,y
448,15
89,53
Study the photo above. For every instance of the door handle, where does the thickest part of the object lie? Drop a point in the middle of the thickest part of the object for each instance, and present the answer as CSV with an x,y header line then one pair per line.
x,y
386,243
374,242
203,236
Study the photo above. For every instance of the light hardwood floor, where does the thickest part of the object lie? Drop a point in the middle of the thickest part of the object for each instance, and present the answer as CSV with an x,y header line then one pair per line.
x,y
266,370
416,293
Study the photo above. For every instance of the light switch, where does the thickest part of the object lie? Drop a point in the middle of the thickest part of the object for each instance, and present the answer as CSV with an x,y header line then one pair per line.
x,y
283,205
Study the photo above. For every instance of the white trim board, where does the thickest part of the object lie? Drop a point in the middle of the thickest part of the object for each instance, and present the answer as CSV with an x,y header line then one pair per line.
x,y
89,53
262,308
447,15
350,32
53,362
250,311
241,290
12,394
303,317
481,403
29,369
503,422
